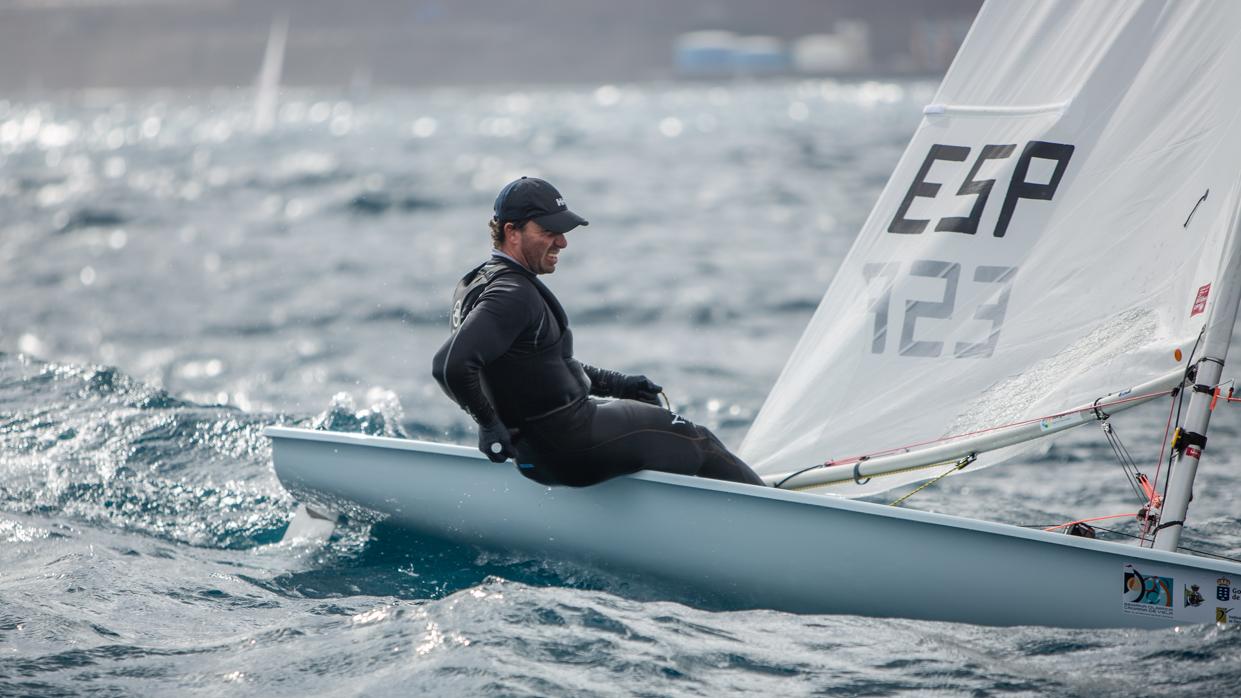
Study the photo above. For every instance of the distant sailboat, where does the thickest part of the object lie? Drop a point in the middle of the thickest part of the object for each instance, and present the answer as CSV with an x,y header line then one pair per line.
x,y
267,87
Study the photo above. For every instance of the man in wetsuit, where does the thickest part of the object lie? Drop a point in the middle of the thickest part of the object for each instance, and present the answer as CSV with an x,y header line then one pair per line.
x,y
509,364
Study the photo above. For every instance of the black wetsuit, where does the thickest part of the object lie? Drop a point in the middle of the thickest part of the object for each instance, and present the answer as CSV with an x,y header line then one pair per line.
x,y
510,356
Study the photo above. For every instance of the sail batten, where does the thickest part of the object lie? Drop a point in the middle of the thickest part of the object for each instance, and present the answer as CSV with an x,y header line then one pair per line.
x,y
1049,234
994,110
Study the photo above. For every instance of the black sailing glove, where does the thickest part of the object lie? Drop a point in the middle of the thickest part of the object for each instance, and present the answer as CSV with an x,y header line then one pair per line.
x,y
638,388
496,442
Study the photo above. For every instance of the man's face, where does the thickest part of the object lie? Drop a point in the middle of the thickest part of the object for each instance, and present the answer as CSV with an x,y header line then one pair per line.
x,y
539,249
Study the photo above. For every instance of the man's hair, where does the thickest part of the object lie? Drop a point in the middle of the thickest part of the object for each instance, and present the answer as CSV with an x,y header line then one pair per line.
x,y
497,230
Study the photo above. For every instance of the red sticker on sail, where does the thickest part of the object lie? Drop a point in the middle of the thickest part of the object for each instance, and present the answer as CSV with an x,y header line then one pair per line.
x,y
1200,303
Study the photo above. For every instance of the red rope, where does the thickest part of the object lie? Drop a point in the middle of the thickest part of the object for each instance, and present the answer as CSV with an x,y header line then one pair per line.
x,y
1152,495
1219,390
1153,487
1096,518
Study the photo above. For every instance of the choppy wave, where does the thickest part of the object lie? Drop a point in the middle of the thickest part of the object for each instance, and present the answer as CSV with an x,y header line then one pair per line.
x,y
90,445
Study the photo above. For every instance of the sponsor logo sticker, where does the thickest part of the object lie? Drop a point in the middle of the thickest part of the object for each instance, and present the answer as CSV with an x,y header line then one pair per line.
x,y
1148,595
1200,303
456,315
1193,596
1059,421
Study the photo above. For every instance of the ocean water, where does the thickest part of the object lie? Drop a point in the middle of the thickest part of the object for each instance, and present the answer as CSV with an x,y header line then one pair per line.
x,y
172,281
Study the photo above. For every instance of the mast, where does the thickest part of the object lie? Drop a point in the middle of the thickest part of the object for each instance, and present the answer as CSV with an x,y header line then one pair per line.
x,y
1216,338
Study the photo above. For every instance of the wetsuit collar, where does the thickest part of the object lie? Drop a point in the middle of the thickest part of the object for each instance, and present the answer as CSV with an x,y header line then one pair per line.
x,y
498,253
547,294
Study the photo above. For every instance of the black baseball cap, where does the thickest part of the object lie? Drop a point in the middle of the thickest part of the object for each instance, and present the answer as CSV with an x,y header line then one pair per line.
x,y
534,199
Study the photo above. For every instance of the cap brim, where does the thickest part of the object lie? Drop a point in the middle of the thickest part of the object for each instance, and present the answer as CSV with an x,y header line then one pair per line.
x,y
561,222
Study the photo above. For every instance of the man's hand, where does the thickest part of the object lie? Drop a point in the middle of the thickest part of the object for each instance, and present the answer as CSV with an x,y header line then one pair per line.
x,y
639,388
496,442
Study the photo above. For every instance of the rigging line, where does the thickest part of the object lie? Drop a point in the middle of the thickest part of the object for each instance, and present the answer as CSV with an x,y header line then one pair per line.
x,y
1163,445
1218,392
1096,518
1208,554
1132,465
955,467
816,466
1123,534
1124,466
1123,457
1150,505
1180,402
1097,528
1124,450
1125,460
1172,427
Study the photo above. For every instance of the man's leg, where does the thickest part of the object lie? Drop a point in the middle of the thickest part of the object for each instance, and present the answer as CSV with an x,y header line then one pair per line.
x,y
628,436
722,464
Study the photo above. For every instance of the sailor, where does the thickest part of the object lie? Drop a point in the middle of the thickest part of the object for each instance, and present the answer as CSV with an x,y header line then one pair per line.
x,y
509,364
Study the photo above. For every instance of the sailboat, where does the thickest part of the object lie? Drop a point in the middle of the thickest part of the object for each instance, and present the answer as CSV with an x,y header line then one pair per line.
x,y
1060,241
267,84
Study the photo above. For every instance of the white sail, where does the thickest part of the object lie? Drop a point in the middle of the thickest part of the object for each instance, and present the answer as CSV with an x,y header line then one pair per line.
x,y
267,86
1051,235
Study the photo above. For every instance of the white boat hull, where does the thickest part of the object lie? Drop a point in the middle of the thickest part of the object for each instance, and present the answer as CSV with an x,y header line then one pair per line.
x,y
751,547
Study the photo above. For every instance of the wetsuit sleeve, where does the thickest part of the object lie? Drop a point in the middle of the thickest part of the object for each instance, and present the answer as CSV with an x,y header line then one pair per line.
x,y
603,382
496,321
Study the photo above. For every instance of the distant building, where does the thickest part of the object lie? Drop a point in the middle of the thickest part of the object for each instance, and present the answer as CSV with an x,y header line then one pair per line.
x,y
929,48
847,50
717,54
705,53
760,55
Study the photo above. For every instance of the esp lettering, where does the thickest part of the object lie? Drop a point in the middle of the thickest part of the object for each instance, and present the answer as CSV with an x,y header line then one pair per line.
x,y
1018,186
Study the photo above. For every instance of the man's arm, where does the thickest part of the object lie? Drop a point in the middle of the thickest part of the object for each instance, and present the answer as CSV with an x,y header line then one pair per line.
x,y
489,330
605,383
